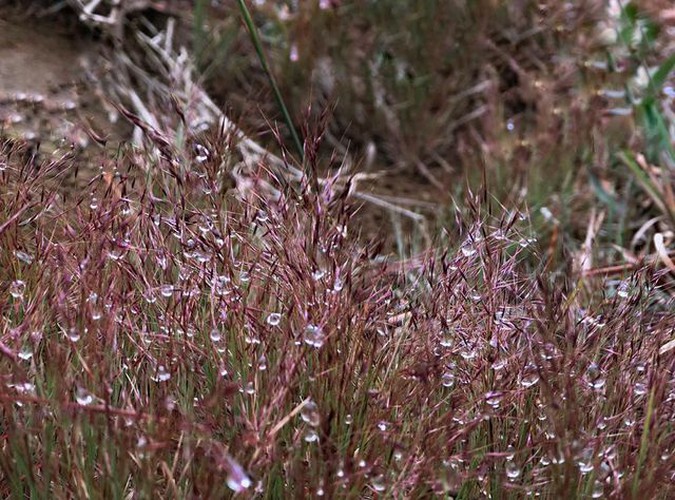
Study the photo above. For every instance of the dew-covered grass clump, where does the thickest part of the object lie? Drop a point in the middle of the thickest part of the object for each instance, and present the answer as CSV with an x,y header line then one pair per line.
x,y
174,340
347,249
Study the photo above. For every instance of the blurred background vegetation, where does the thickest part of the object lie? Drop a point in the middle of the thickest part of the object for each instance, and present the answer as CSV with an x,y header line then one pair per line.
x,y
563,108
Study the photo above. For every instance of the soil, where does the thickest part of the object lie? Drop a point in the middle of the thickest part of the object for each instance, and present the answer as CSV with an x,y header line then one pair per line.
x,y
47,96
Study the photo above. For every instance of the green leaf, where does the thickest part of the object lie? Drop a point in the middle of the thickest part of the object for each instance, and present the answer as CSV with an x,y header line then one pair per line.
x,y
660,76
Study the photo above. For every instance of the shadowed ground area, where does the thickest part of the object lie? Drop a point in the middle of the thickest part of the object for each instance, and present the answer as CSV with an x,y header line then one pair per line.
x,y
49,94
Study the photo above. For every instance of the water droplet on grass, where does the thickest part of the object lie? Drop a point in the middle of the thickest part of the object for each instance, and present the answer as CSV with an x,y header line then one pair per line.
x,y
274,319
17,289
640,389
294,54
162,374
23,256
166,290
378,483
623,290
512,470
382,425
494,398
82,397
237,480
499,364
310,414
530,375
448,379
311,436
313,336
73,334
215,335
529,379
25,353
468,250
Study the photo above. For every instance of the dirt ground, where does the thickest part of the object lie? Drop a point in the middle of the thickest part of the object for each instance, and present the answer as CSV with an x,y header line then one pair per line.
x,y
47,95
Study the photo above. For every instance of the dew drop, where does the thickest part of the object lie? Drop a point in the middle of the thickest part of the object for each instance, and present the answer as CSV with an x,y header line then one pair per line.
x,y
598,489
382,425
378,483
237,480
73,334
494,398
17,289
313,336
448,379
594,377
640,389
468,352
82,397
150,296
24,257
512,470
166,290
215,335
294,55
529,379
585,467
349,419
447,340
530,376
499,364
141,442
310,413
162,374
468,250
311,436
623,290
274,319
25,353
338,285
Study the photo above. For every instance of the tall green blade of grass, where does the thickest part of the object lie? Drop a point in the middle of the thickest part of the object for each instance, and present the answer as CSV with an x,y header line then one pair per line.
x,y
647,184
250,25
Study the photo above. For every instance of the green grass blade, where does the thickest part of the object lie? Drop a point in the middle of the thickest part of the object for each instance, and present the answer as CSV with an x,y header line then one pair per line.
x,y
248,21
